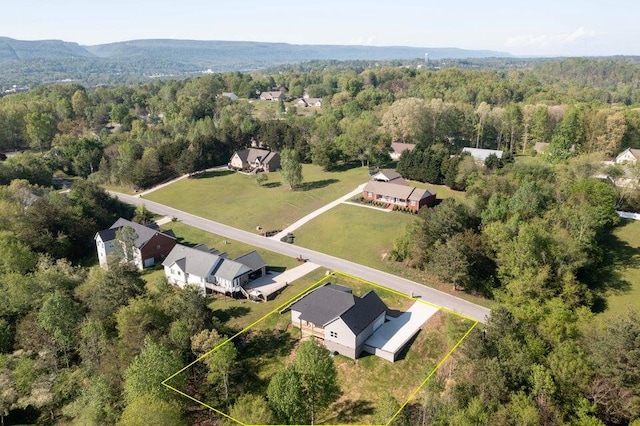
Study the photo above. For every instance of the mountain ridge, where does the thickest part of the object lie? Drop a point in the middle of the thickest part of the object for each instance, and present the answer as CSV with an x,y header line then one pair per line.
x,y
43,61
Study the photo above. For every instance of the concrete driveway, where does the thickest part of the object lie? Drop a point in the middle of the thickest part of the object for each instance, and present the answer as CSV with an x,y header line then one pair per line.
x,y
273,281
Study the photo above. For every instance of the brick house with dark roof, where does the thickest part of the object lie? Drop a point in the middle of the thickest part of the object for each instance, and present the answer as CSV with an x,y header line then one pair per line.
x,y
395,194
150,245
340,319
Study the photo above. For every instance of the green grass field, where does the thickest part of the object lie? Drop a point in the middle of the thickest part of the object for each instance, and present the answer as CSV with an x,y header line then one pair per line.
x,y
356,233
191,236
237,200
442,191
366,236
626,269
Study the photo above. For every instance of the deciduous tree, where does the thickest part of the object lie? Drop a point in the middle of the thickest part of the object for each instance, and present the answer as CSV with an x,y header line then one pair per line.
x,y
291,169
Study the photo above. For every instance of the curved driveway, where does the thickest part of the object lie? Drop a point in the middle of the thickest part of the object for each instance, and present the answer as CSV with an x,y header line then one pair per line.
x,y
384,279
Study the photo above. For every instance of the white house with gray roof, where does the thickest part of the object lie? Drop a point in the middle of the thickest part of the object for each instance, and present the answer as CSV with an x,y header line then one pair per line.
x,y
628,156
340,319
211,270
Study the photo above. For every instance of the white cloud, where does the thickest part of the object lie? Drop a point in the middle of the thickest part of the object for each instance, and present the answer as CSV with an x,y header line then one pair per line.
x,y
550,40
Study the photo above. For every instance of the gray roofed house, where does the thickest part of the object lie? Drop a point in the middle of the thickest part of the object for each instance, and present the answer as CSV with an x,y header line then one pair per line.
x,y
309,102
364,312
323,305
254,261
232,96
342,320
480,155
272,96
211,270
150,244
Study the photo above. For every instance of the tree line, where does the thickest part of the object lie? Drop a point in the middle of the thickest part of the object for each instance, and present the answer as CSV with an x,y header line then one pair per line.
x,y
144,134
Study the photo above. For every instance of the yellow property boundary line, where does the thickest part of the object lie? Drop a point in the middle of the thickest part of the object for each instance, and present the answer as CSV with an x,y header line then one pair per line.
x,y
298,296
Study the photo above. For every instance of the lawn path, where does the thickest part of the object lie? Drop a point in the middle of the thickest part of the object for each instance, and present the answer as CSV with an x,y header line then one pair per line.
x,y
162,185
317,213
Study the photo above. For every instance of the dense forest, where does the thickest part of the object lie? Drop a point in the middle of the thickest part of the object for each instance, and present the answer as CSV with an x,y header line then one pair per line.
x,y
80,345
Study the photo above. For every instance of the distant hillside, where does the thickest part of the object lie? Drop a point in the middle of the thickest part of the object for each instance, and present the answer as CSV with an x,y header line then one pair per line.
x,y
20,50
214,53
33,62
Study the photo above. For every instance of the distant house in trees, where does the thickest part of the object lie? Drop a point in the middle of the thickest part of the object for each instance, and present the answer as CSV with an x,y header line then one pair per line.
x,y
480,155
341,320
387,186
255,160
232,96
309,102
150,244
398,148
211,270
272,96
628,156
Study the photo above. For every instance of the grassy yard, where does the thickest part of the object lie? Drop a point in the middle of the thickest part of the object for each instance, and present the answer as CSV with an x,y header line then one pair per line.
x,y
442,191
237,200
191,236
269,345
366,236
356,233
624,250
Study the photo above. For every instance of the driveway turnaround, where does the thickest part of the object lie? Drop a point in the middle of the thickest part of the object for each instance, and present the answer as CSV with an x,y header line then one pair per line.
x,y
384,279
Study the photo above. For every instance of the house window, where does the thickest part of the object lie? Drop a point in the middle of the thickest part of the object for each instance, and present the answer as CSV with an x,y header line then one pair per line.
x,y
413,202
370,194
333,334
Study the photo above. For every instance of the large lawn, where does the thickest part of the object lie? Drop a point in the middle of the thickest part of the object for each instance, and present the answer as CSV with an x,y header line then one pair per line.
x,y
624,250
237,200
366,236
356,233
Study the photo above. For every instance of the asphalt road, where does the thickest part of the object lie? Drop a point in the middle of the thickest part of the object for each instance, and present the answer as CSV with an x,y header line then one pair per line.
x,y
384,279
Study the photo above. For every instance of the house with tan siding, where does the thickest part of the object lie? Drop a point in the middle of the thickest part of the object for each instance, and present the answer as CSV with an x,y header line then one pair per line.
x,y
255,160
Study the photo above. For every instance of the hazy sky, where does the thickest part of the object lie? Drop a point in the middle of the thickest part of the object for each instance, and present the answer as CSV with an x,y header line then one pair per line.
x,y
538,27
